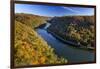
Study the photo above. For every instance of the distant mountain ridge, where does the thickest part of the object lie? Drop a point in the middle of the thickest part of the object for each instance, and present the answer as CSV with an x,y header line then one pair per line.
x,y
30,19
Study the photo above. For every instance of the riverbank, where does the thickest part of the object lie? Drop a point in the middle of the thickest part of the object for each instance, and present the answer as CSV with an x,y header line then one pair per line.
x,y
71,43
73,54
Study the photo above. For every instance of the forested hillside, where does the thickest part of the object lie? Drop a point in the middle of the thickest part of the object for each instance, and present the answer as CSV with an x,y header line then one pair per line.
x,y
30,48
77,29
30,19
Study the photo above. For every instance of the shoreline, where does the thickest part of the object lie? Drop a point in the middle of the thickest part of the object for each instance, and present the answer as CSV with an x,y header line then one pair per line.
x,y
69,42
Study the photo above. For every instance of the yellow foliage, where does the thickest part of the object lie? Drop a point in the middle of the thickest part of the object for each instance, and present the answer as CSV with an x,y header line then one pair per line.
x,y
35,62
33,53
30,48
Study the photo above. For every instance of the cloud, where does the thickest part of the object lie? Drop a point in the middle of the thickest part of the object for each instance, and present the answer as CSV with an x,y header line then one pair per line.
x,y
71,9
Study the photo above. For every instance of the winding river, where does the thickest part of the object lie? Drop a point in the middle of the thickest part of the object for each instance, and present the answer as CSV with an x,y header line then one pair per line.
x,y
74,55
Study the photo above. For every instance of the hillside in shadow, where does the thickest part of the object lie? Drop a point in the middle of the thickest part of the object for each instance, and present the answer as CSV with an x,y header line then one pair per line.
x,y
79,30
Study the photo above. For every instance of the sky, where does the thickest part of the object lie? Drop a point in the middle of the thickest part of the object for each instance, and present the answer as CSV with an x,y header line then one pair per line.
x,y
47,10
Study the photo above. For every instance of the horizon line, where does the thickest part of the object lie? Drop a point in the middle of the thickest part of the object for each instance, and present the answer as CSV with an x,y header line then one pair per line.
x,y
51,16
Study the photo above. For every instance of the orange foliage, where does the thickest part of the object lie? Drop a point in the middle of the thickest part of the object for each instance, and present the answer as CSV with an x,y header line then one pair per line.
x,y
42,59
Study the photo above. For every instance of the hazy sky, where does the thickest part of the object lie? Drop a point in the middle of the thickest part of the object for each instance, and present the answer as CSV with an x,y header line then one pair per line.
x,y
45,10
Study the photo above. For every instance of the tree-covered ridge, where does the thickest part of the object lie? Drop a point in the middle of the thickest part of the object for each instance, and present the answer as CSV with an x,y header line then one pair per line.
x,y
31,49
77,29
30,19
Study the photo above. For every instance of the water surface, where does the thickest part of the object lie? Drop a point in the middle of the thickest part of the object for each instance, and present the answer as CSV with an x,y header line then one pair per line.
x,y
74,55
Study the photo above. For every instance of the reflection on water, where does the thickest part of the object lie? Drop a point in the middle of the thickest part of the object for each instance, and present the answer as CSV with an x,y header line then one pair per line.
x,y
73,55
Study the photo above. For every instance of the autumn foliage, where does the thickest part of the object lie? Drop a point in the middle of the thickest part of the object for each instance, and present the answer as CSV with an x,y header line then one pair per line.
x,y
31,49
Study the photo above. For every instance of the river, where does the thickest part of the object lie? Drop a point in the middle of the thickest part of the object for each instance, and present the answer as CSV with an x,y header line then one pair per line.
x,y
74,55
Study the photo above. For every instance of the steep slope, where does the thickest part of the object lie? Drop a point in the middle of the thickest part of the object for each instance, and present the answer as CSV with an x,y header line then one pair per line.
x,y
31,49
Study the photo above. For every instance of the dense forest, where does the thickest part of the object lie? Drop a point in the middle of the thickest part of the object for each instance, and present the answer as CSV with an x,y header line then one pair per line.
x,y
30,48
79,30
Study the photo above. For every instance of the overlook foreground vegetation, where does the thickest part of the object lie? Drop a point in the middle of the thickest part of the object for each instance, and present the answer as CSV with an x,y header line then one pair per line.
x,y
30,48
